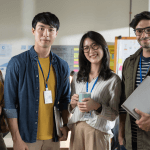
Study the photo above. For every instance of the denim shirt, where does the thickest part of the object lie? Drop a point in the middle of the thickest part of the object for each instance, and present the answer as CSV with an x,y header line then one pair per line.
x,y
21,91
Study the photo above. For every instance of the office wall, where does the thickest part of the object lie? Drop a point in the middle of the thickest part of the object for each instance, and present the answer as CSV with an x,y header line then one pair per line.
x,y
109,17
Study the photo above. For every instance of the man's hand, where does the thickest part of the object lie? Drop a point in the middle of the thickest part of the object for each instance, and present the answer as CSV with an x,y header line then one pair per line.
x,y
120,139
74,100
64,131
88,104
144,122
20,145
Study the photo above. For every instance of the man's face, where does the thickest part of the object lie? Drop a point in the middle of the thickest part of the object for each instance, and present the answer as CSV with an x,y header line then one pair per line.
x,y
144,38
44,35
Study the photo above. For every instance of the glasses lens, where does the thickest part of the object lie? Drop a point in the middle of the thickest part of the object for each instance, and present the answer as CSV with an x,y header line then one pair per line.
x,y
147,30
95,46
86,49
138,31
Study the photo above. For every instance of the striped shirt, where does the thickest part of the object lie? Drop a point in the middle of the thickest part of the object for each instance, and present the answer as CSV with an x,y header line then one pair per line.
x,y
105,92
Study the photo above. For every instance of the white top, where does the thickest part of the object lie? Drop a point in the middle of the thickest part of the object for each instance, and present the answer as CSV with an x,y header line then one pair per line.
x,y
105,92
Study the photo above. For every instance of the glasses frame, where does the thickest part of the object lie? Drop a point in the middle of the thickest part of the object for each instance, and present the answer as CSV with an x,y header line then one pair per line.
x,y
89,47
143,30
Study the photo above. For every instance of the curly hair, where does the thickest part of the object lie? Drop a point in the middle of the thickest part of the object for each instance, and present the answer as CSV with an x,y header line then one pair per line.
x,y
85,65
145,15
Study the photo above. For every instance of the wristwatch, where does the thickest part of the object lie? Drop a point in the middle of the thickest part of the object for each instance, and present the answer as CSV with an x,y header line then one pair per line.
x,y
99,109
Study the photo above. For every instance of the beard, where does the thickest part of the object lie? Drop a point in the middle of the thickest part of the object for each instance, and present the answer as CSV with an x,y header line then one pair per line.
x,y
144,45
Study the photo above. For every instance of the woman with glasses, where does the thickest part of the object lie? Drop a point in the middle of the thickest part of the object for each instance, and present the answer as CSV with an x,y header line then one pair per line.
x,y
93,118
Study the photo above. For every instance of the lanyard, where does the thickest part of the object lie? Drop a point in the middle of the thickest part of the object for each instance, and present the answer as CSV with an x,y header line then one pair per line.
x,y
46,81
93,85
141,67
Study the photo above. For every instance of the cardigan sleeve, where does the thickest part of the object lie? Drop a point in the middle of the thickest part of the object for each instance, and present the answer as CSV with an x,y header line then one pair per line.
x,y
111,111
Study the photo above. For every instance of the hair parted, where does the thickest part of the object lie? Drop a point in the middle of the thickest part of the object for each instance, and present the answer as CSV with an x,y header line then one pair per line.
x,y
85,65
145,15
46,18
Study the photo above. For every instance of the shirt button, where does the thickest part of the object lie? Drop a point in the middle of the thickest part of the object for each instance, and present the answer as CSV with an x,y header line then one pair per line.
x,y
37,88
37,100
36,111
37,76
35,122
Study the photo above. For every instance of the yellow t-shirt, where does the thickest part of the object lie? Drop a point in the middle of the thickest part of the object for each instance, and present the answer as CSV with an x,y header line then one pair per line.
x,y
45,114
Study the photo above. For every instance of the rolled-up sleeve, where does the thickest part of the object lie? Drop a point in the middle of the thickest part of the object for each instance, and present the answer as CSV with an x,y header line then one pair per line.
x,y
11,89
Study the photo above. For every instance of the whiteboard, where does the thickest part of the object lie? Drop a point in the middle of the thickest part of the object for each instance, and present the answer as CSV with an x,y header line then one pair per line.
x,y
125,47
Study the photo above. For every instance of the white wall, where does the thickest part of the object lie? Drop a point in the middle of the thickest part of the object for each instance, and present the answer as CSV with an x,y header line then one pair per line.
x,y
109,17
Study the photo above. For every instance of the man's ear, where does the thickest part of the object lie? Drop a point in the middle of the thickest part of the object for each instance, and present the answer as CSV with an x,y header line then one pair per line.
x,y
56,33
33,31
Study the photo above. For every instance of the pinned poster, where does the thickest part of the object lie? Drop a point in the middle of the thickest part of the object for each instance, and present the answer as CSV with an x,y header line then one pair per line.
x,y
76,70
76,59
29,46
76,66
76,55
120,68
76,62
5,50
23,47
76,49
120,61
111,63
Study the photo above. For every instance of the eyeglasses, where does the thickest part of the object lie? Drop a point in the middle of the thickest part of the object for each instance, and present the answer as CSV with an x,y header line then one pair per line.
x,y
94,46
139,31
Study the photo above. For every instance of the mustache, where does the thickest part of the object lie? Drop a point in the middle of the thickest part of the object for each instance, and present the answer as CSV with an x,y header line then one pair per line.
x,y
146,38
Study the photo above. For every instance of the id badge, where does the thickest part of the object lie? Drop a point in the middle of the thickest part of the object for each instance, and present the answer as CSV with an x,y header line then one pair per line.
x,y
48,97
88,115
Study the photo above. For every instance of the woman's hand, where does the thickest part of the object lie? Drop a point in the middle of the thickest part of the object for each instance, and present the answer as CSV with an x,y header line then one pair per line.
x,y
74,101
88,104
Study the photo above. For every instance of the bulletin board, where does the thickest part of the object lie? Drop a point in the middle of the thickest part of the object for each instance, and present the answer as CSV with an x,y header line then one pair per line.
x,y
124,47
69,53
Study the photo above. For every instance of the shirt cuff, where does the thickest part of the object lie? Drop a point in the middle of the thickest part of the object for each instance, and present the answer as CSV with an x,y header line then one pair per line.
x,y
10,113
69,109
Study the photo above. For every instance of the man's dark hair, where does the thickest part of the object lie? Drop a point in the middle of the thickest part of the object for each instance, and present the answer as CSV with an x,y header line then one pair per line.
x,y
85,65
46,18
145,15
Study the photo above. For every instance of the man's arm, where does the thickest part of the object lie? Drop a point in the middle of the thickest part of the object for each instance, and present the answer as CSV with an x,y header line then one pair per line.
x,y
63,105
122,112
121,134
18,143
64,129
10,101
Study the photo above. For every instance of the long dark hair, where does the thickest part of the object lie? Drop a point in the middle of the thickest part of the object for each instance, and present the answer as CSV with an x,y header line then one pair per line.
x,y
85,65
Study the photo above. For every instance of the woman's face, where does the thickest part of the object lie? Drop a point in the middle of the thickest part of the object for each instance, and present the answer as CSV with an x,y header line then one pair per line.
x,y
92,51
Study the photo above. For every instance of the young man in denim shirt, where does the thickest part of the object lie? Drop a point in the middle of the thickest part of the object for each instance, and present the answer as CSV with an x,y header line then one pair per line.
x,y
35,82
